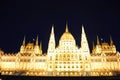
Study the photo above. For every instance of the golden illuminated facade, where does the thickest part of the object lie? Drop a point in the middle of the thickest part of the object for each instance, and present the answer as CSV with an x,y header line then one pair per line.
x,y
64,59
104,48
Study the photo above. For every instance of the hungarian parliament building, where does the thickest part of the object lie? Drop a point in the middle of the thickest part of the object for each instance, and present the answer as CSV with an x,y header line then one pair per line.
x,y
64,59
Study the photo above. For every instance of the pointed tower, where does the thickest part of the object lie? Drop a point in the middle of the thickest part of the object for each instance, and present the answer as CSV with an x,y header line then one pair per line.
x,y
113,47
41,47
51,44
98,43
36,48
23,41
93,48
85,50
98,47
22,48
111,41
84,43
37,40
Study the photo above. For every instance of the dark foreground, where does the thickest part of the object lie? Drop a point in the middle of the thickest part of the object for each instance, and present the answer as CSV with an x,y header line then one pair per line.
x,y
58,78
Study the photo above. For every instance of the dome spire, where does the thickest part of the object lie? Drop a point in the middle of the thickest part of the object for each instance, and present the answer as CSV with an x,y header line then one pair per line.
x,y
66,30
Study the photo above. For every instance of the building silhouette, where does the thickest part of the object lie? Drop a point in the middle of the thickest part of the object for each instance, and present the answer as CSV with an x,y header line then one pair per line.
x,y
64,59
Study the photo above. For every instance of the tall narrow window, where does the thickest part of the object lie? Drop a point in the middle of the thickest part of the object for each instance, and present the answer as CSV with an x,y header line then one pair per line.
x,y
50,57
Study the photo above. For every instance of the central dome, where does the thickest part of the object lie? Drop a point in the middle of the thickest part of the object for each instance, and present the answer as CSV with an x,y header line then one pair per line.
x,y
67,39
67,36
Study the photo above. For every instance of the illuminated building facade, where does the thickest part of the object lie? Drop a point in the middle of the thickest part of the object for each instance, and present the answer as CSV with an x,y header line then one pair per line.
x,y
64,59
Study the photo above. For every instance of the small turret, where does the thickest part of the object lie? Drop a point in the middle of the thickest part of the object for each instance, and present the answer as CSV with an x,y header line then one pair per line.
x,y
22,48
24,41
111,41
98,43
41,47
37,40
36,48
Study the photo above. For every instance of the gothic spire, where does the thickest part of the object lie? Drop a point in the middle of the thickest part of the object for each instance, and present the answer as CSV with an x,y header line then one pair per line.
x,y
84,42
52,34
40,45
83,31
51,44
23,41
111,41
98,41
66,30
37,40
52,31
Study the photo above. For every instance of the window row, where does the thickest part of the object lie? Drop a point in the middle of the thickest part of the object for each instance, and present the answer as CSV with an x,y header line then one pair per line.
x,y
7,60
67,67
68,62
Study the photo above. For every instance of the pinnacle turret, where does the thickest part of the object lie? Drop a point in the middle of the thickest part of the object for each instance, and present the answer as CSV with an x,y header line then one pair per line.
x,y
23,41
37,40
40,45
98,41
111,41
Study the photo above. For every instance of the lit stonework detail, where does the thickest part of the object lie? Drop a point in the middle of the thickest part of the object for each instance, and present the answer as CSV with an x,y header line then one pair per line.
x,y
30,48
64,59
104,47
67,57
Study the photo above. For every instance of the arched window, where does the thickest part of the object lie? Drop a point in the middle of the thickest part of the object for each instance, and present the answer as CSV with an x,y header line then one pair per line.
x,y
85,57
80,58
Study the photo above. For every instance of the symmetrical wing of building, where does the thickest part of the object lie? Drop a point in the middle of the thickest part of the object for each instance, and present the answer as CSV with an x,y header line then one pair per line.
x,y
64,59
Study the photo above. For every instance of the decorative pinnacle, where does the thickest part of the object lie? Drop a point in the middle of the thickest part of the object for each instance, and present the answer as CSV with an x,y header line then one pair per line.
x,y
24,41
37,40
40,45
111,41
98,41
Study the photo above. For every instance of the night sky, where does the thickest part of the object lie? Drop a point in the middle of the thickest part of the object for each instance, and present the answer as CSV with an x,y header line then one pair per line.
x,y
31,18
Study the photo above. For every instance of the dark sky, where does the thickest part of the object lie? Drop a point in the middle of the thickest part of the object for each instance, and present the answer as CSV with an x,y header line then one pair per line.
x,y
32,18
